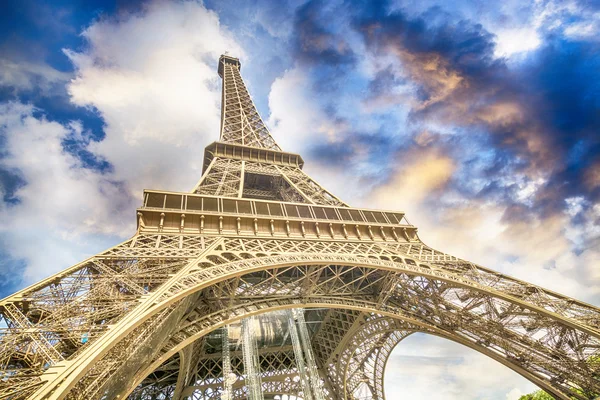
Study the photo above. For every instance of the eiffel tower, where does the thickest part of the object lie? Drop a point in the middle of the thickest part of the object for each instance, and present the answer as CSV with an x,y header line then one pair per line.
x,y
260,283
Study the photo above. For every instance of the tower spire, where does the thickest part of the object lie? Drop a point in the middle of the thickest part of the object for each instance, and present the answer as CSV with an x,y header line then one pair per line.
x,y
240,121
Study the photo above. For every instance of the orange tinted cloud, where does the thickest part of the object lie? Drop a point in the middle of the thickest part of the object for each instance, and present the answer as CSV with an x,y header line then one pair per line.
x,y
418,176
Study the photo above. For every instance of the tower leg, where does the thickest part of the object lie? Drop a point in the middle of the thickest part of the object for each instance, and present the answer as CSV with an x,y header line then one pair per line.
x,y
251,363
185,361
227,378
313,373
304,378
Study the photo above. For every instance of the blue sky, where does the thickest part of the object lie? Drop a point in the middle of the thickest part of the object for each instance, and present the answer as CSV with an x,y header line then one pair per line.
x,y
480,120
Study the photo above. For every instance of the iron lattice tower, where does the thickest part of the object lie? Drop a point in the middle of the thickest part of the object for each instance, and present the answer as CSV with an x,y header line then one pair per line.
x,y
158,315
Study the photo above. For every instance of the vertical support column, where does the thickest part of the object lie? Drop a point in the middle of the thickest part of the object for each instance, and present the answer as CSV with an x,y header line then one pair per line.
x,y
297,345
242,177
311,365
251,362
228,379
183,377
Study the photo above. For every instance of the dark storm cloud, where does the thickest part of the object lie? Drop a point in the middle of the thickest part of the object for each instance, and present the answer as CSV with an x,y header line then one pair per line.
x,y
542,117
374,148
322,48
564,76
383,81
10,182
315,41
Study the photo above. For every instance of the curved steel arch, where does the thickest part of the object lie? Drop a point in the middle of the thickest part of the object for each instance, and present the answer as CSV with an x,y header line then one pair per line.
x,y
420,283
381,362
373,268
198,278
383,356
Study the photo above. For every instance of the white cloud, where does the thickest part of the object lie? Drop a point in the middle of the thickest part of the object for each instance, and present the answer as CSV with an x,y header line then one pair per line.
x,y
575,19
587,30
152,77
296,119
65,211
27,76
510,41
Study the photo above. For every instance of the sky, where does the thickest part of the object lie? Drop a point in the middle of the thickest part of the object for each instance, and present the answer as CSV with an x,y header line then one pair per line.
x,y
479,119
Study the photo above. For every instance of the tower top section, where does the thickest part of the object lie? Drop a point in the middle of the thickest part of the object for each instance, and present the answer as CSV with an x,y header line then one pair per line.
x,y
240,122
225,59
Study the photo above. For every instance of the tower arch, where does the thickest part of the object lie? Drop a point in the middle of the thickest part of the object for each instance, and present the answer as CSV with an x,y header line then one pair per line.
x,y
355,283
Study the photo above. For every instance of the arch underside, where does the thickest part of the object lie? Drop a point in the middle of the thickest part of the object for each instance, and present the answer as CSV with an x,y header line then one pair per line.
x,y
368,341
165,305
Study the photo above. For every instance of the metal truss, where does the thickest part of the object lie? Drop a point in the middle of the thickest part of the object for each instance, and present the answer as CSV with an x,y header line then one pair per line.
x,y
232,178
145,319
223,178
207,380
240,121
